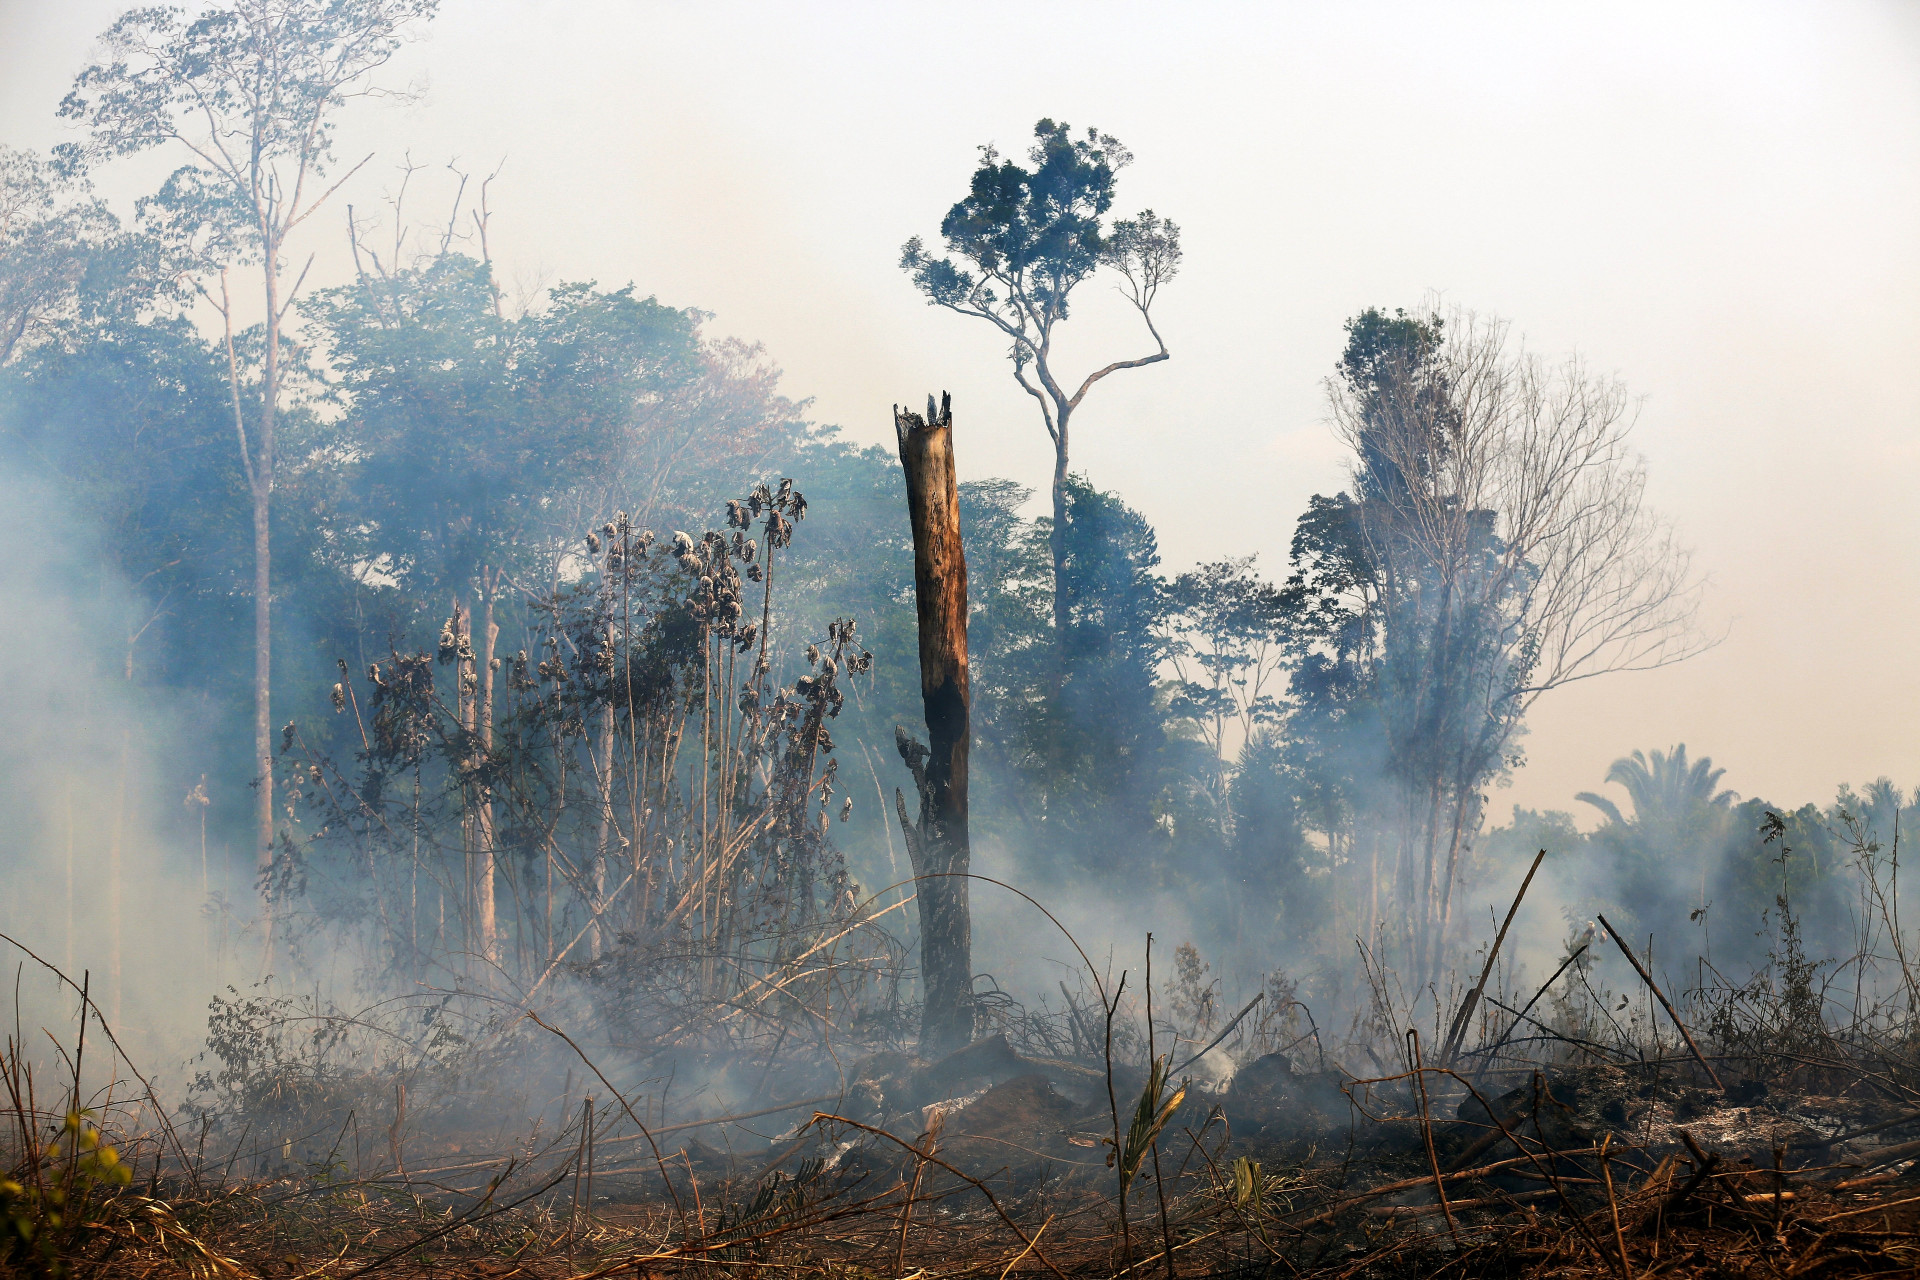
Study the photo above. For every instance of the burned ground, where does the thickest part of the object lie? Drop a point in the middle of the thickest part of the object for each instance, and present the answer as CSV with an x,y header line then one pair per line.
x,y
994,1161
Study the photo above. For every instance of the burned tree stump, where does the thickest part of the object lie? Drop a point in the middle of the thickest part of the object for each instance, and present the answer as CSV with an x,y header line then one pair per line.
x,y
937,840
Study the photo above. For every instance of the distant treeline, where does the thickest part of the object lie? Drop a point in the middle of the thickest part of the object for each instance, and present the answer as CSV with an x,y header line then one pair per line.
x,y
1299,735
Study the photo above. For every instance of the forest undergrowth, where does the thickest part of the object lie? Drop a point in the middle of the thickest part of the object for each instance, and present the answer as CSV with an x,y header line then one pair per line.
x,y
1755,1128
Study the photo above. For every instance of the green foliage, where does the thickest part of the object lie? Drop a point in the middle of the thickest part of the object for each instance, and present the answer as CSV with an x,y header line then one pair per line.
x,y
1274,876
1227,623
1097,766
48,1207
1678,827
1203,727
65,261
1157,1103
1403,623
463,427
1672,798
1027,237
1114,643
1035,232
1380,347
1248,1184
252,89
1023,239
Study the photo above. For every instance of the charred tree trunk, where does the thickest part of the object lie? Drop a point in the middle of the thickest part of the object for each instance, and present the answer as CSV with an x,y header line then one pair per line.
x,y
937,842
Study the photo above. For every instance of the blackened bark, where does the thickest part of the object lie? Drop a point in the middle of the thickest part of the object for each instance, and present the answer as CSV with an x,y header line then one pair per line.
x,y
937,842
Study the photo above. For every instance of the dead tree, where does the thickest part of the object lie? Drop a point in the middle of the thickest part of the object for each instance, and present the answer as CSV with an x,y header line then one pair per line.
x,y
937,842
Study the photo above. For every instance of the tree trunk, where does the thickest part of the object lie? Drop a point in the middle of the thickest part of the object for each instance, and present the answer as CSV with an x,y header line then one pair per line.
x,y
1057,548
484,871
262,707
1373,888
1466,819
262,493
464,690
597,872
937,843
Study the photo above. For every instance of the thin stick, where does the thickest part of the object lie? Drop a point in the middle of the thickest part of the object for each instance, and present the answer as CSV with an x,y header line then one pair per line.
x,y
1544,1170
579,1162
1421,1210
1588,1047
699,1212
1029,1249
1613,1207
1074,1009
1871,1208
1462,1175
1113,1108
1647,978
462,1220
399,1123
1159,1182
1564,966
1464,1018
932,1138
587,1106
1215,1042
1872,1128
87,1002
665,1129
1426,1132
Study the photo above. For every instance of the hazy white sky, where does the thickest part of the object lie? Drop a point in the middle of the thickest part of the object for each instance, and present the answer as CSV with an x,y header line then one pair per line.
x,y
1719,203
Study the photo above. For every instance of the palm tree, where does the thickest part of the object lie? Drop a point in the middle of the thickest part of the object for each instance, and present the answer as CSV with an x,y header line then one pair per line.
x,y
1677,811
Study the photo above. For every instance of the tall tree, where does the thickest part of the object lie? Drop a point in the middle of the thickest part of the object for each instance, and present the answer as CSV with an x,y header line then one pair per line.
x,y
1669,793
1500,514
1025,238
251,92
1333,745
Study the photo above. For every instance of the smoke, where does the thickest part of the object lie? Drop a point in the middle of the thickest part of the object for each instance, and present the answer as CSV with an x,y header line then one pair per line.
x,y
99,880
1028,955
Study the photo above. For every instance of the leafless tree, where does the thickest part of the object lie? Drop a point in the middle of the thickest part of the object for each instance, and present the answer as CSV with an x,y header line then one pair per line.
x,y
1514,552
